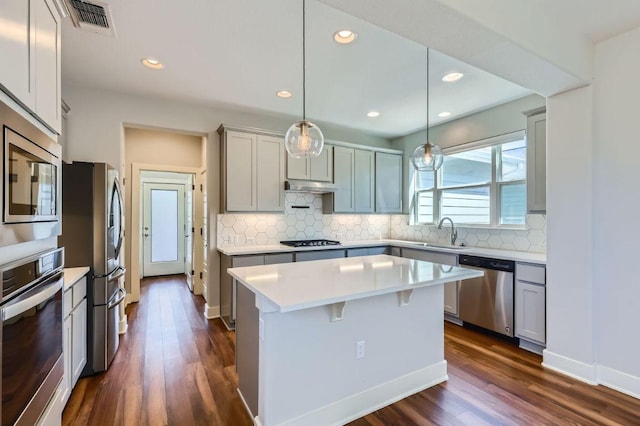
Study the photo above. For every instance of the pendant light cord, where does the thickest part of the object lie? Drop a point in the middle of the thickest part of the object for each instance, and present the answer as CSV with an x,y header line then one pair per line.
x,y
304,63
428,140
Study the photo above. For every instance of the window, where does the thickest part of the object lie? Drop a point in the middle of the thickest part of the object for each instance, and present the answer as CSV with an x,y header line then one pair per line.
x,y
481,183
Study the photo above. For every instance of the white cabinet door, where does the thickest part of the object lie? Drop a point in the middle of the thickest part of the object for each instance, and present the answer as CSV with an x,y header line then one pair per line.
x,y
67,379
321,167
240,165
78,340
343,175
530,311
388,183
364,181
16,51
47,62
270,174
536,163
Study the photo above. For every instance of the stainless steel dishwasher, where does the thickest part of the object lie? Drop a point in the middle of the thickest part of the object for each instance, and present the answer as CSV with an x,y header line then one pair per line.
x,y
488,301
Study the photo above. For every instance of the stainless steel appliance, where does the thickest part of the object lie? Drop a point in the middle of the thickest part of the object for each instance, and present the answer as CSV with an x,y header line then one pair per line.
x,y
488,301
93,235
31,176
32,363
310,243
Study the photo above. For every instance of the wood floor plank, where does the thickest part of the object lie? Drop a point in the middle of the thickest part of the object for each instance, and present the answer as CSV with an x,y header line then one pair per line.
x,y
175,367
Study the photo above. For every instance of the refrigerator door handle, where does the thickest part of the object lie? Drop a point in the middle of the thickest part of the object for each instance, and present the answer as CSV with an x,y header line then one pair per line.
x,y
118,296
117,273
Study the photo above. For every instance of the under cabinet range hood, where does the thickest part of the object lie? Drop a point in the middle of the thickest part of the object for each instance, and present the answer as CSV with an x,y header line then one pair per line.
x,y
312,187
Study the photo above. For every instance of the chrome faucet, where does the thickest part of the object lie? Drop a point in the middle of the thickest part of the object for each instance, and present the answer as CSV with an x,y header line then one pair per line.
x,y
454,231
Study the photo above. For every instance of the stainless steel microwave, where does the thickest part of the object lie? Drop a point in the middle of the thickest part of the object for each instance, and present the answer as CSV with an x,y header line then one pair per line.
x,y
31,181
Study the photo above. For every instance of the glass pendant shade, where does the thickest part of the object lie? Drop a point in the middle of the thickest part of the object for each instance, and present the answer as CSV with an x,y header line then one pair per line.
x,y
427,157
304,140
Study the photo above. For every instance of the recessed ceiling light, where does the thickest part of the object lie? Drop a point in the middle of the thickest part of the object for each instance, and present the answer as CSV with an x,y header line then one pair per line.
x,y
344,36
152,63
452,76
373,114
444,114
283,94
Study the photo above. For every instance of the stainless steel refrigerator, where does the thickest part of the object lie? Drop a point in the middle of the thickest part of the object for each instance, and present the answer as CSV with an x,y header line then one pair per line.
x,y
93,235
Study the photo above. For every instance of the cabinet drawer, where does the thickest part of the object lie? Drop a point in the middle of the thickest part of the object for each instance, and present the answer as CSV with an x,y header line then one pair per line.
x,y
67,302
530,273
357,252
79,291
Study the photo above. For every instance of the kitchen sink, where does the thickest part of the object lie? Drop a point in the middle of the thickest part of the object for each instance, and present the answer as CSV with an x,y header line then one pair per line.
x,y
444,246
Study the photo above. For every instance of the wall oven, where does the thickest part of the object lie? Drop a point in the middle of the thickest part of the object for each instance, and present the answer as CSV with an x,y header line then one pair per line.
x,y
31,336
31,181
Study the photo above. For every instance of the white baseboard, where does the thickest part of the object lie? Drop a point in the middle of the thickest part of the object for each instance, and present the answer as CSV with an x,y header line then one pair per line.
x,y
570,367
622,382
211,312
123,325
363,403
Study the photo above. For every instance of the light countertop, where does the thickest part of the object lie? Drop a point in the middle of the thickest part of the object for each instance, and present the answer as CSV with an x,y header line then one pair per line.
x,y
294,286
518,256
72,275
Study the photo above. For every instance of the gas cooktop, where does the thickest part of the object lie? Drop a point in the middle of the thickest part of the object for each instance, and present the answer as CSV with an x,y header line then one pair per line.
x,y
310,243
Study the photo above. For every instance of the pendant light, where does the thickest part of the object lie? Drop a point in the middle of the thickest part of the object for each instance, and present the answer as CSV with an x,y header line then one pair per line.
x,y
427,157
304,139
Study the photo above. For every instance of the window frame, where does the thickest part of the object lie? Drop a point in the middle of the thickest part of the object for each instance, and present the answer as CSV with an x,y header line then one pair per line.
x,y
495,185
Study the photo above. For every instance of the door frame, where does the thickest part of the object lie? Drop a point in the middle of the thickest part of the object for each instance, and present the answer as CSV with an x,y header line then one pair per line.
x,y
133,257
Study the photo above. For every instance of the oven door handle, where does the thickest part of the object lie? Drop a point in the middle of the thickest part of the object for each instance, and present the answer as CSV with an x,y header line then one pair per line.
x,y
30,299
117,298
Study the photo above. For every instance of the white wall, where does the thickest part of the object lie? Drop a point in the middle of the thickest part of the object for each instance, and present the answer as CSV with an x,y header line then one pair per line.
x,y
616,205
570,317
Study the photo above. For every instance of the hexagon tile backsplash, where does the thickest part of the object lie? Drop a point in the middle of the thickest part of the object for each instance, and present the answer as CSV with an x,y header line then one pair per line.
x,y
239,229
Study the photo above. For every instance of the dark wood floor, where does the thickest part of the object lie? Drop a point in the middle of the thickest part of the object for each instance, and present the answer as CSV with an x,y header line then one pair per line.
x,y
176,368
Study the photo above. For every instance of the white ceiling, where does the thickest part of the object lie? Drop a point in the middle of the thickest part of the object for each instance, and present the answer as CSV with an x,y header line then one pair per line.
x,y
239,53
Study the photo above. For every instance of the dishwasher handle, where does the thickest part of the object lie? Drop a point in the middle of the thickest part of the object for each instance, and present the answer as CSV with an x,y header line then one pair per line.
x,y
486,263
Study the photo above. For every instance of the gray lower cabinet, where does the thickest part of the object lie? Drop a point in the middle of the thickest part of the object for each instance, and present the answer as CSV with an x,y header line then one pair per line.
x,y
228,285
368,251
530,303
304,256
247,348
450,289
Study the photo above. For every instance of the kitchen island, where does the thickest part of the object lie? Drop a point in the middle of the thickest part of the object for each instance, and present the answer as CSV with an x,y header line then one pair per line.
x,y
328,341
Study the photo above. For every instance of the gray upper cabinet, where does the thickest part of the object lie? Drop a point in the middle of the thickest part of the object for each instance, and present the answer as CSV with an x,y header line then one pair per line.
x,y
388,183
253,171
344,179
364,181
319,168
536,163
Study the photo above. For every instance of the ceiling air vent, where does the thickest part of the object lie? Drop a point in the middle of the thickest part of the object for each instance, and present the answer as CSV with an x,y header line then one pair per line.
x,y
91,16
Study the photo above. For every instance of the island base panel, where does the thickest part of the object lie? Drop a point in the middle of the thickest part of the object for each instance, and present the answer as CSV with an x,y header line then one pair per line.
x,y
308,371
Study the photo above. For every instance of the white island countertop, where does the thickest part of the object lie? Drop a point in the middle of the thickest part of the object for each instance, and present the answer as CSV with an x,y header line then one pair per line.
x,y
294,286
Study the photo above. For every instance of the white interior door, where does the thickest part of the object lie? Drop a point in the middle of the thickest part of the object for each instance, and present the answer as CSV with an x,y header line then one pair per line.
x,y
204,232
163,229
